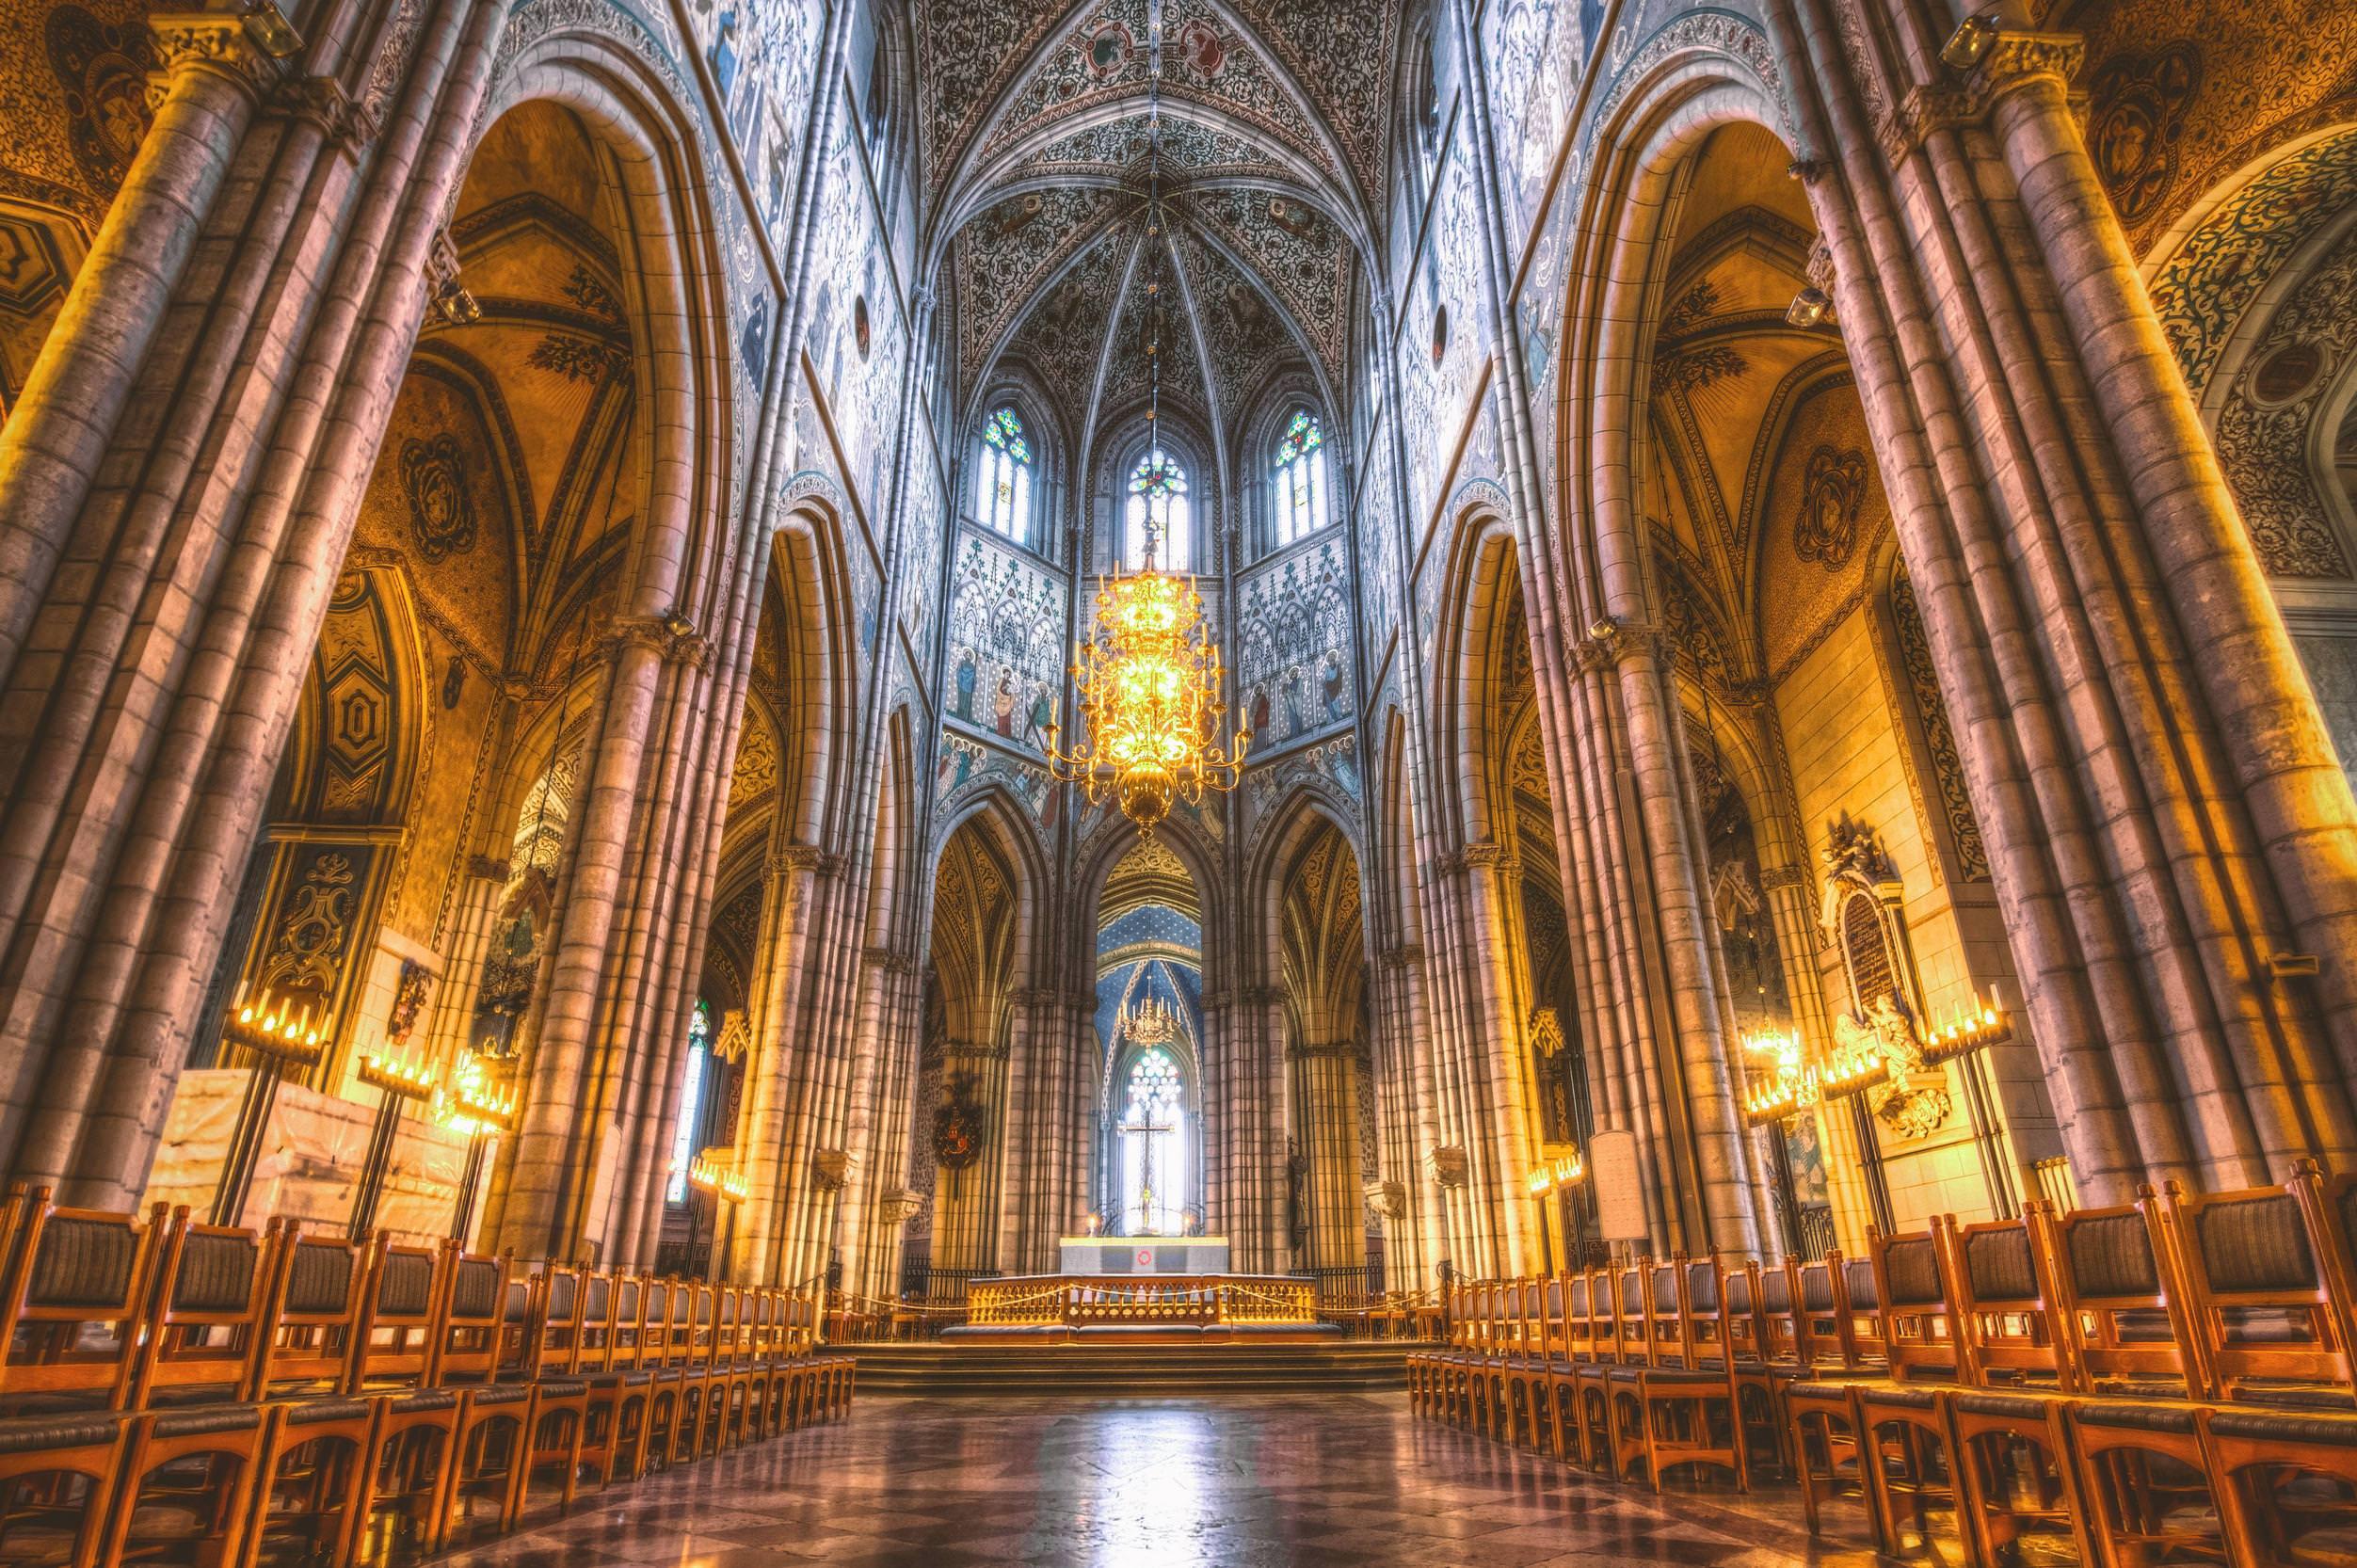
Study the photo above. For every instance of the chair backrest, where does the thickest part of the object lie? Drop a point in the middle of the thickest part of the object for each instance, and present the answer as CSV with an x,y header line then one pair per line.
x,y
473,1318
1746,1320
401,1314
317,1293
2255,1289
1911,1312
699,1343
560,1299
1706,1290
1820,1322
1579,1315
1862,1312
1666,1331
594,1334
654,1330
629,1323
2007,1328
2116,1301
1555,1325
1782,1329
206,1335
1632,1323
78,1289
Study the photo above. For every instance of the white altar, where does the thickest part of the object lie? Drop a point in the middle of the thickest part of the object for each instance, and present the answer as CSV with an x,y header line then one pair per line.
x,y
1144,1255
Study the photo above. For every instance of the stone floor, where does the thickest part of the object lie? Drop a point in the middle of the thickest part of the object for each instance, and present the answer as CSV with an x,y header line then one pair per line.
x,y
1228,1482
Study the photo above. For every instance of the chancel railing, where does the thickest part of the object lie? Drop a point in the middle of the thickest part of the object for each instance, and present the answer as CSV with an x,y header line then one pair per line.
x,y
1173,1300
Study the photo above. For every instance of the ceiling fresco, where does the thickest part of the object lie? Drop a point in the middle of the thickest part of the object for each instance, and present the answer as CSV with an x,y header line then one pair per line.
x,y
1272,139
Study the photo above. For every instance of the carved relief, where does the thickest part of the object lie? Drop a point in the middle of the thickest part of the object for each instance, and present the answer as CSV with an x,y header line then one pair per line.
x,y
2138,120
1939,737
1833,492
441,510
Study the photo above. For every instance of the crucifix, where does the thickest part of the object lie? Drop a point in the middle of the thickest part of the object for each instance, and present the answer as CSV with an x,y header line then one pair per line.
x,y
1147,1127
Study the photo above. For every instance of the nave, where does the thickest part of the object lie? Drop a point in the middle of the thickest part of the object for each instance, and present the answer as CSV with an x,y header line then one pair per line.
x,y
1315,1482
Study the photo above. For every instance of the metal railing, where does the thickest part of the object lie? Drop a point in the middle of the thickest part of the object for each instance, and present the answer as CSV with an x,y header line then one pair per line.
x,y
1191,1300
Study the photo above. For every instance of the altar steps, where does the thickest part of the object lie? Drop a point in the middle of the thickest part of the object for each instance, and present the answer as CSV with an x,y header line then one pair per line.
x,y
1014,1371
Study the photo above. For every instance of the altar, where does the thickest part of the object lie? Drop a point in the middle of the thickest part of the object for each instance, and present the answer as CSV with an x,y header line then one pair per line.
x,y
1144,1255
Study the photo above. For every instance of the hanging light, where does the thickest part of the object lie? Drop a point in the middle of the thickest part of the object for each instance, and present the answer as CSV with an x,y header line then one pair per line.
x,y
1148,673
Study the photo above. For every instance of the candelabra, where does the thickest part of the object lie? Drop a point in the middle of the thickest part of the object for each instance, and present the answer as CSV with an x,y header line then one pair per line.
x,y
402,1078
279,1040
479,1103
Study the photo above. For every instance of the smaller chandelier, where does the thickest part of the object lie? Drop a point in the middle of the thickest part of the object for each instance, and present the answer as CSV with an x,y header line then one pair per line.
x,y
1151,1023
1149,680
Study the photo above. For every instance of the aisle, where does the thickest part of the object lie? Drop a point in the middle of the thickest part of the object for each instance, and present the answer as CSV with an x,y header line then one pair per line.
x,y
1329,1481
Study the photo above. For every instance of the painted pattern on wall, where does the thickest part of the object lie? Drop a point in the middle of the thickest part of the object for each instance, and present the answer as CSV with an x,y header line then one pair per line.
x,y
1293,672
1003,673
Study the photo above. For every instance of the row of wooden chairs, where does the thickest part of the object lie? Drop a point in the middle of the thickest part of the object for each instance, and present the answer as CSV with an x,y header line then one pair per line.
x,y
170,1387
2172,1376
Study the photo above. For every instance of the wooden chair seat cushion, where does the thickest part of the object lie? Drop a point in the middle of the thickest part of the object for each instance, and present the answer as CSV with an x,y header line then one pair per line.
x,y
206,1420
313,1412
418,1401
2138,1416
24,1434
626,1377
1681,1376
2274,1426
2004,1405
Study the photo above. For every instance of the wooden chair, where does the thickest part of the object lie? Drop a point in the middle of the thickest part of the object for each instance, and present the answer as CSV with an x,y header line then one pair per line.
x,y
58,1477
2263,1321
663,1336
2014,1473
2286,1482
413,1439
619,1382
73,1306
187,1484
209,1329
311,1473
1896,1300
561,1394
1823,1426
2129,1362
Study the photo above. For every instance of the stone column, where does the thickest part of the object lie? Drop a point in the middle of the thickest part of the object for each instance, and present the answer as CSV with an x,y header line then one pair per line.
x,y
2169,832
1324,1152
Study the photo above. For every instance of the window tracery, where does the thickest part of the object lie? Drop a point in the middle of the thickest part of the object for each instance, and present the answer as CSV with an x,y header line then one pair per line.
x,y
1302,505
1007,476
1158,493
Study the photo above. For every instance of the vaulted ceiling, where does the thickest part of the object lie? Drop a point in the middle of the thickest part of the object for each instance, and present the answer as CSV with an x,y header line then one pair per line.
x,y
1037,153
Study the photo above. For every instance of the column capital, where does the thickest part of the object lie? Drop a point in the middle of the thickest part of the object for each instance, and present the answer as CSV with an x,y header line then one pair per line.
x,y
1401,955
785,859
1262,996
217,42
322,101
2013,61
485,868
1313,1050
1611,639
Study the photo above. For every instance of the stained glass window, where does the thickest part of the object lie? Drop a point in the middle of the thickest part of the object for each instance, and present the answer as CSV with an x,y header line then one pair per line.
x,y
691,1102
1154,1148
1006,469
1158,491
1301,479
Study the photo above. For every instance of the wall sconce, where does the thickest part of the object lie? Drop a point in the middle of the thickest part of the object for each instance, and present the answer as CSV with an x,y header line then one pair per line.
x,y
1811,307
1969,44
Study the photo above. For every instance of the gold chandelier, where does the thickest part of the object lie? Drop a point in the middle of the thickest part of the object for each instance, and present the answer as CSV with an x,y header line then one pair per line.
x,y
1148,673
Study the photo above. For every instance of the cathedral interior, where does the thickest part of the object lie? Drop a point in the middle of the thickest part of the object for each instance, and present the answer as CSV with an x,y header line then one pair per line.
x,y
1477,783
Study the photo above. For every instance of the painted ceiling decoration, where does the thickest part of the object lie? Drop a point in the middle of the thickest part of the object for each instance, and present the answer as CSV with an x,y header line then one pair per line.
x,y
1273,137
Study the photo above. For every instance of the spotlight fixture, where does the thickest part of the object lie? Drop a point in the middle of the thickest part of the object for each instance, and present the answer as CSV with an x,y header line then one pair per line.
x,y
1809,308
1969,44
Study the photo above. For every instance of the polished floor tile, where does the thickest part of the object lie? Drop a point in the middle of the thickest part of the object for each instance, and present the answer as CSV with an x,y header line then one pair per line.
x,y
1276,1483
